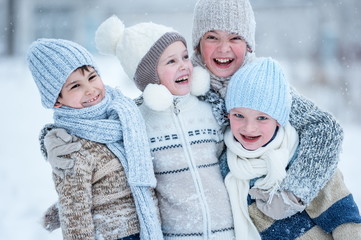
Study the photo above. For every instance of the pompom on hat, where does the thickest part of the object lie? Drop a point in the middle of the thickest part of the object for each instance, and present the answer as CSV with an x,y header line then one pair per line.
x,y
138,49
51,61
233,16
261,85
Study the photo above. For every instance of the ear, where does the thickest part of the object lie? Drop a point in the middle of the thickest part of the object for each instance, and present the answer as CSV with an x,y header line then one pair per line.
x,y
58,105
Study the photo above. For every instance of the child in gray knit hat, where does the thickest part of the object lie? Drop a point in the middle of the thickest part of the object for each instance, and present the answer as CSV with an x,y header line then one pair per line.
x,y
224,41
261,145
108,193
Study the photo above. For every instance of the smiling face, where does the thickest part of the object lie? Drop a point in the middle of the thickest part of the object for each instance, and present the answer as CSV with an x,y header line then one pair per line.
x,y
175,69
82,89
222,52
251,128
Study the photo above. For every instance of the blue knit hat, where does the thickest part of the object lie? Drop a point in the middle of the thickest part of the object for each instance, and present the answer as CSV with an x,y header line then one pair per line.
x,y
51,61
261,85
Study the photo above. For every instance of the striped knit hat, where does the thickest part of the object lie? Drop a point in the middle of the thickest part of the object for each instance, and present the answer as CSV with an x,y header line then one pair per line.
x,y
51,61
233,16
138,47
261,85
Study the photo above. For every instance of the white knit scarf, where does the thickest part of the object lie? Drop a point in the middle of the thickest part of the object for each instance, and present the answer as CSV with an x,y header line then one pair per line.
x,y
269,161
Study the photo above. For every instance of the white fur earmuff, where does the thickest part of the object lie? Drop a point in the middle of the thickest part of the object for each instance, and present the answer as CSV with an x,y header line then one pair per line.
x,y
157,97
200,81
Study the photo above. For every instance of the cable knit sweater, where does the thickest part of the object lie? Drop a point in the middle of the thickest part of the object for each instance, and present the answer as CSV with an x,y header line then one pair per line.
x,y
186,141
95,201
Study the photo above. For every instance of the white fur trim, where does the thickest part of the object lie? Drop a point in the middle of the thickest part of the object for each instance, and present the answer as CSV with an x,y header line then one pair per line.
x,y
157,97
200,83
108,34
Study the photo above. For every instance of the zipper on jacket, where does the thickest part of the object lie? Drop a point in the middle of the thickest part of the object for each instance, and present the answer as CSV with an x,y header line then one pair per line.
x,y
193,167
176,110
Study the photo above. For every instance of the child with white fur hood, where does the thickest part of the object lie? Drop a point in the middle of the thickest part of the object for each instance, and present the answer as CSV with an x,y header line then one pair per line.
x,y
184,136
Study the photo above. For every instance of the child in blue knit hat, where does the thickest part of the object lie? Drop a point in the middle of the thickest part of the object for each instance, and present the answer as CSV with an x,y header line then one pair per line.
x,y
261,145
108,194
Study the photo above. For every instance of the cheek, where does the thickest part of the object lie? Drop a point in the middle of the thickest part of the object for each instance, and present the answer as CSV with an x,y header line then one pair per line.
x,y
240,52
206,51
235,125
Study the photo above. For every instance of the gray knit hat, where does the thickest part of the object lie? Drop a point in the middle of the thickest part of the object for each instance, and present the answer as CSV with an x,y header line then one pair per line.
x,y
260,85
51,61
137,47
233,16
147,68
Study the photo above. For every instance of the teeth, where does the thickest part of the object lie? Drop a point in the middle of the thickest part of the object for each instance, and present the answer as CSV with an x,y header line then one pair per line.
x,y
249,137
182,79
223,60
92,100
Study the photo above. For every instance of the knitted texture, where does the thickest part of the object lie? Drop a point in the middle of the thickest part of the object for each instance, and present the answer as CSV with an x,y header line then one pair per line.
x,y
95,200
332,215
261,86
320,135
147,69
138,47
193,200
321,139
233,16
117,122
51,61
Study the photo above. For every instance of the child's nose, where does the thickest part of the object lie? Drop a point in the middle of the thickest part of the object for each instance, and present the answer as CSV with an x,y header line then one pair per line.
x,y
89,90
250,127
223,46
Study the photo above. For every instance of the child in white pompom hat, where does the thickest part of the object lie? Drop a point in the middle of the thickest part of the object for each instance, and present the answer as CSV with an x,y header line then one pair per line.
x,y
185,138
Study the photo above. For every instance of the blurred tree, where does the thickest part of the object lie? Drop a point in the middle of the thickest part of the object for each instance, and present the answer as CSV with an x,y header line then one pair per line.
x,y
10,34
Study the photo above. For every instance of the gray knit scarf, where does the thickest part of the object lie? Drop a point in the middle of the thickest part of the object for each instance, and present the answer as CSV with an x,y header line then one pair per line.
x,y
116,122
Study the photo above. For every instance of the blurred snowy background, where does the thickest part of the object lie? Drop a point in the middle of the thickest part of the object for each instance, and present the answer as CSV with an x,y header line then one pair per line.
x,y
317,41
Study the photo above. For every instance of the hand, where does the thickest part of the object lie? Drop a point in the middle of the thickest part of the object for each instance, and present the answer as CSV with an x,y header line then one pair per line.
x,y
282,205
59,143
50,220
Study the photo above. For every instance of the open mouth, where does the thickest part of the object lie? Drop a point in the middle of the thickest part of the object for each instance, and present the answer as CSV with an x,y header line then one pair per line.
x,y
182,79
223,61
250,138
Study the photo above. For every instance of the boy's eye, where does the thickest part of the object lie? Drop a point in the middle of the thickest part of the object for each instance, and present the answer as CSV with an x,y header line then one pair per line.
x,y
74,86
262,118
186,57
92,77
170,61
238,115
